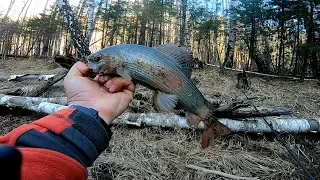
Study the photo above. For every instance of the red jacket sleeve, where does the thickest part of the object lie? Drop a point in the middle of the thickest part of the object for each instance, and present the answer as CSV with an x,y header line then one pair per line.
x,y
60,145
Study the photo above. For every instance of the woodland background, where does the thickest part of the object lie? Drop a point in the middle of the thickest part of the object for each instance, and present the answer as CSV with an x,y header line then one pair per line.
x,y
270,36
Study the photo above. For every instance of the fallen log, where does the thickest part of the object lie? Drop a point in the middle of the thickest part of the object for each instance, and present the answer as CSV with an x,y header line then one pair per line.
x,y
236,113
27,77
264,75
14,55
30,104
169,120
249,112
65,61
41,89
34,100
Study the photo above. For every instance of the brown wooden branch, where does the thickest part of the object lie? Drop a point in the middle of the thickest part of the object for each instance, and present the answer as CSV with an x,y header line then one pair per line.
x,y
65,61
40,90
262,75
240,109
12,91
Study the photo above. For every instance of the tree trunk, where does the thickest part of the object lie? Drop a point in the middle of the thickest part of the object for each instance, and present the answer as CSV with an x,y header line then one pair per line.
x,y
183,23
142,38
93,16
45,48
176,26
91,5
24,5
187,35
156,29
281,36
80,43
9,8
228,61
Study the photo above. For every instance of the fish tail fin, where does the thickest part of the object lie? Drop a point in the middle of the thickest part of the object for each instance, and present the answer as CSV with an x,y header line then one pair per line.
x,y
213,129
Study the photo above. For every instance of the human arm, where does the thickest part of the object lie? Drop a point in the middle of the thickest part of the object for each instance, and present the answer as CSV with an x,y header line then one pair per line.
x,y
62,145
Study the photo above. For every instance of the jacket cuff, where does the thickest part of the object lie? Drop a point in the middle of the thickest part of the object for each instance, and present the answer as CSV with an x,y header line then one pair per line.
x,y
95,114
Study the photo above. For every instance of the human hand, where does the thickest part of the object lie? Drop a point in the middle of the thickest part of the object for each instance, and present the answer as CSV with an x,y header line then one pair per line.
x,y
110,98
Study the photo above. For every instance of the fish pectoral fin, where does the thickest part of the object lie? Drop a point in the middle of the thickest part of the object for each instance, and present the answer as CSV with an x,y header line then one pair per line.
x,y
121,71
193,120
165,102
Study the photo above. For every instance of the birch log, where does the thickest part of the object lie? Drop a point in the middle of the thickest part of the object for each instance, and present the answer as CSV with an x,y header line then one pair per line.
x,y
30,104
237,113
27,77
169,120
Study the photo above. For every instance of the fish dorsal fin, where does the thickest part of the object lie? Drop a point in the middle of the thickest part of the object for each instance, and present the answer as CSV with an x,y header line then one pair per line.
x,y
165,102
179,55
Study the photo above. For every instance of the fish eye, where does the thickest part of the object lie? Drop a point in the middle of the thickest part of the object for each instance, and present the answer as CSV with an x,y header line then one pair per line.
x,y
98,58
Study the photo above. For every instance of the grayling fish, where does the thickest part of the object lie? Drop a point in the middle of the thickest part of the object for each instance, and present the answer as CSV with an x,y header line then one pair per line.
x,y
157,71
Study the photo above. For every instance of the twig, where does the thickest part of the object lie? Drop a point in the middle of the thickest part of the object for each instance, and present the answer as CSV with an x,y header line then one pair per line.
x,y
219,173
46,86
12,91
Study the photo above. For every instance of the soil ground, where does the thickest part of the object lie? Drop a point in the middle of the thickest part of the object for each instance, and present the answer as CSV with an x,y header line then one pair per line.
x,y
157,153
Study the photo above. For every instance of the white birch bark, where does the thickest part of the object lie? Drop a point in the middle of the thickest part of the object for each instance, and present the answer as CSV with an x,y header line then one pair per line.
x,y
93,9
176,26
27,77
29,104
187,34
91,5
9,8
79,42
232,35
169,120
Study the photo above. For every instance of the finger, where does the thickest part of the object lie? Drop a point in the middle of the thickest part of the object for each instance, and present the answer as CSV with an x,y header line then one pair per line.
x,y
117,84
130,93
79,69
100,79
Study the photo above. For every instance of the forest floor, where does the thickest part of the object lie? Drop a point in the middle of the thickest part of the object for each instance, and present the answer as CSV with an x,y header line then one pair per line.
x,y
157,153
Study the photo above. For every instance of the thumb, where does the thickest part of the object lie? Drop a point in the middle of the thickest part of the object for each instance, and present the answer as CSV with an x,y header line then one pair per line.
x,y
79,69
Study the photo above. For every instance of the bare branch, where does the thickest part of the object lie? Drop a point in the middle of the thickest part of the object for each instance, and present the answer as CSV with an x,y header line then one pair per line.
x,y
46,86
219,173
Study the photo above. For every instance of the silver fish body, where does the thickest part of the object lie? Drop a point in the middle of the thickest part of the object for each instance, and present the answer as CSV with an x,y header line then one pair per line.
x,y
151,68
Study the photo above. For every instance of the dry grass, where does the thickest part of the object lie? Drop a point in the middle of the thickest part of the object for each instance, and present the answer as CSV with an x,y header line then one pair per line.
x,y
156,153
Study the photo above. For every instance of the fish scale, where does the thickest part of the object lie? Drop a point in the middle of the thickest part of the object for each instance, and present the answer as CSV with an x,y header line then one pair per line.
x,y
160,72
190,96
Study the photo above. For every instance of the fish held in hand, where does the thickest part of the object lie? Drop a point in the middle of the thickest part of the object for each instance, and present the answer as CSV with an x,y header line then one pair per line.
x,y
160,72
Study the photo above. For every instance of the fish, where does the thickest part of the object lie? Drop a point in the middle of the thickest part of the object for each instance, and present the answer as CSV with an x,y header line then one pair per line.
x,y
167,76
